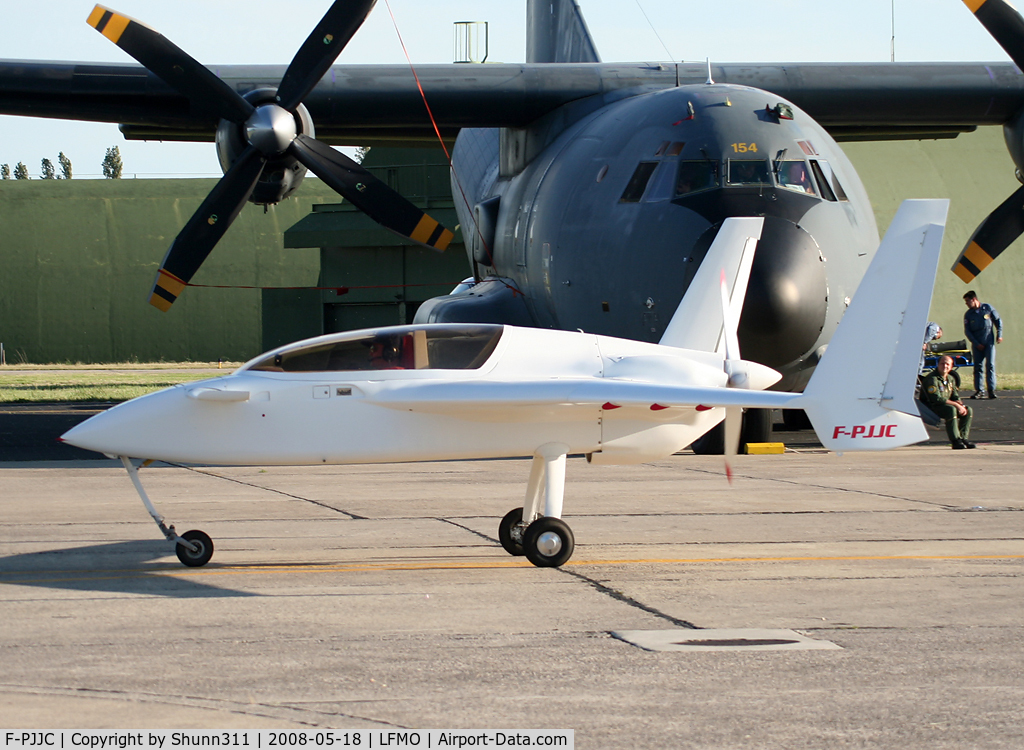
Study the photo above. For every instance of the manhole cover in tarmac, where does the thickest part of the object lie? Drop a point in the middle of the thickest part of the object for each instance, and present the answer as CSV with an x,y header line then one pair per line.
x,y
739,642
721,640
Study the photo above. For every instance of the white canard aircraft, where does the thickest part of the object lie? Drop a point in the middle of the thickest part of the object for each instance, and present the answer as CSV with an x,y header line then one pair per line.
x,y
462,391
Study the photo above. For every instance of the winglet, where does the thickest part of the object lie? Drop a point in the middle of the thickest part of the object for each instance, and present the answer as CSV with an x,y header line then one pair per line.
x,y
699,321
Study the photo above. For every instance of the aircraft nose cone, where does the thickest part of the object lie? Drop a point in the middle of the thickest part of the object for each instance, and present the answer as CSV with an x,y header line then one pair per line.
x,y
93,434
112,432
133,428
787,296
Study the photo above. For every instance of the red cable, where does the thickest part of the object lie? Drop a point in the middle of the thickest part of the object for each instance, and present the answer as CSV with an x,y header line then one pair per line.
x,y
418,84
437,131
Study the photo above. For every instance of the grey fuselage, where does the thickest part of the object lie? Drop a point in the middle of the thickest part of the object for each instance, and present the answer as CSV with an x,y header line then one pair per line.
x,y
603,229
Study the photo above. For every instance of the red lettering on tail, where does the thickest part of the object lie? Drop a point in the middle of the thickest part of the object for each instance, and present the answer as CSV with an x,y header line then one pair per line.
x,y
865,431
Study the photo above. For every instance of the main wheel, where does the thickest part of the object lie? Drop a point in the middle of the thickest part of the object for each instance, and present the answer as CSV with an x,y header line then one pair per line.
x,y
711,443
795,419
757,426
507,535
203,545
548,542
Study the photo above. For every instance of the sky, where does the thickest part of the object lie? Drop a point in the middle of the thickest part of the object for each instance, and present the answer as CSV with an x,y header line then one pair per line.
x,y
269,31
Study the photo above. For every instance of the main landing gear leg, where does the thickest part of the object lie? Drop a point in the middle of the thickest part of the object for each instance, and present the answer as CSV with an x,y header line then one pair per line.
x,y
537,530
194,548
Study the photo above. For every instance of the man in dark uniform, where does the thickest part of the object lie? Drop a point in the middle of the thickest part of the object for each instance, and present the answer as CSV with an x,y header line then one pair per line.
x,y
984,329
940,392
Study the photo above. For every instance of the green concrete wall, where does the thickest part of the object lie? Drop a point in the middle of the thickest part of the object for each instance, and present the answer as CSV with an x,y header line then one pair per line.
x,y
78,258
386,276
975,171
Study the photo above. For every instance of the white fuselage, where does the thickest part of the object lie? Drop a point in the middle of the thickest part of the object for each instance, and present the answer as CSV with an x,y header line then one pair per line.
x,y
536,387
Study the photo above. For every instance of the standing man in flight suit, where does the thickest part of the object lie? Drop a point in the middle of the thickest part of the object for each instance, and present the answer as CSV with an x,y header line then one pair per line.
x,y
984,329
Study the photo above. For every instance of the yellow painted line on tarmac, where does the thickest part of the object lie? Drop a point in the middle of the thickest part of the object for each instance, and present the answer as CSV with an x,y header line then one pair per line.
x,y
844,558
483,565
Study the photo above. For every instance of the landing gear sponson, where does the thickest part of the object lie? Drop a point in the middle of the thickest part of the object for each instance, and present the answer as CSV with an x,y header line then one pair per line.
x,y
194,548
544,538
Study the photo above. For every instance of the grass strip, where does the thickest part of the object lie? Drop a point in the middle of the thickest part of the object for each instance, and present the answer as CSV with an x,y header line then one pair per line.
x,y
27,384
107,383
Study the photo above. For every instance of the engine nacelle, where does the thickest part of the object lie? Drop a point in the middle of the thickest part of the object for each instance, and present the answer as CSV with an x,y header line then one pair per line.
x,y
1013,133
282,174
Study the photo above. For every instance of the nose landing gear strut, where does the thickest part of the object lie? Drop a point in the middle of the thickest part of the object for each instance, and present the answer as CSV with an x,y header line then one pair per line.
x,y
194,548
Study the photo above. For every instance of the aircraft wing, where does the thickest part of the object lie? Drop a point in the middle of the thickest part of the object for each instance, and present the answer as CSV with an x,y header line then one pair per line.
x,y
377,104
482,399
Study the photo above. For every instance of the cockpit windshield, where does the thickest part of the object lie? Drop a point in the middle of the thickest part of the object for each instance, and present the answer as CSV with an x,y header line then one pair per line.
x,y
793,175
815,178
748,172
694,176
449,347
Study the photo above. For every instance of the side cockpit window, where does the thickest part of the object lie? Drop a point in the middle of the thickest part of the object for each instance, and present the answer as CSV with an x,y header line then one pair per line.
x,y
455,347
638,182
694,176
828,182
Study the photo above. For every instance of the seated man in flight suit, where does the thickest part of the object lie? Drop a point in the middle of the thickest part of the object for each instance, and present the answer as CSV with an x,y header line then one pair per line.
x,y
940,392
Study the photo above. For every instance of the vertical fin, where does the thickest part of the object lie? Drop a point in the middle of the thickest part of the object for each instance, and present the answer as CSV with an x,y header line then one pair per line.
x,y
861,396
557,33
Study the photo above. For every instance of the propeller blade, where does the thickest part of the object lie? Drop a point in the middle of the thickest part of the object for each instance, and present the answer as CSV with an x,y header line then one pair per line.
x,y
370,195
733,426
999,229
176,68
729,324
1006,223
321,49
207,225
1004,23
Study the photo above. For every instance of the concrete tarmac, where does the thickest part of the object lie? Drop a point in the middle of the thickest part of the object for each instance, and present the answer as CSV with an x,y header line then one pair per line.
x,y
378,597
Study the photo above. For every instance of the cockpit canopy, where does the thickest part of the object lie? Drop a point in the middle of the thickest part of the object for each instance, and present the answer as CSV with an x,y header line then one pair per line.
x,y
430,347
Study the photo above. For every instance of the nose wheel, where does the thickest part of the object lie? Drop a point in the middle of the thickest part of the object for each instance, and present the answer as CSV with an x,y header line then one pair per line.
x,y
201,552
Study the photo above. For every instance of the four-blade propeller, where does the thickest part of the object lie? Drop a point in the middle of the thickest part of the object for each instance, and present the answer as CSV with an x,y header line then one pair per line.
x,y
1004,225
271,131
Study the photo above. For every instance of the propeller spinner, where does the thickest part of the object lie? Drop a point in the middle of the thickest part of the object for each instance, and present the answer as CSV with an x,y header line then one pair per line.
x,y
271,131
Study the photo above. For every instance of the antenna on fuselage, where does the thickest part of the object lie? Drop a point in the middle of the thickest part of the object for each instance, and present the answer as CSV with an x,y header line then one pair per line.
x,y
710,80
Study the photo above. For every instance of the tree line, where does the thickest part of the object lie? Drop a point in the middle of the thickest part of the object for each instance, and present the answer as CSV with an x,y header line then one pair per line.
x,y
112,168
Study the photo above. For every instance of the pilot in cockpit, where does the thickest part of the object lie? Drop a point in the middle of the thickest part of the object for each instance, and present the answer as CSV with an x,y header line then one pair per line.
x,y
793,175
385,354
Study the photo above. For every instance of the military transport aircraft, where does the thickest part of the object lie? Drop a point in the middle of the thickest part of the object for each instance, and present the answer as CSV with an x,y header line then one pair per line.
x,y
447,391
588,193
